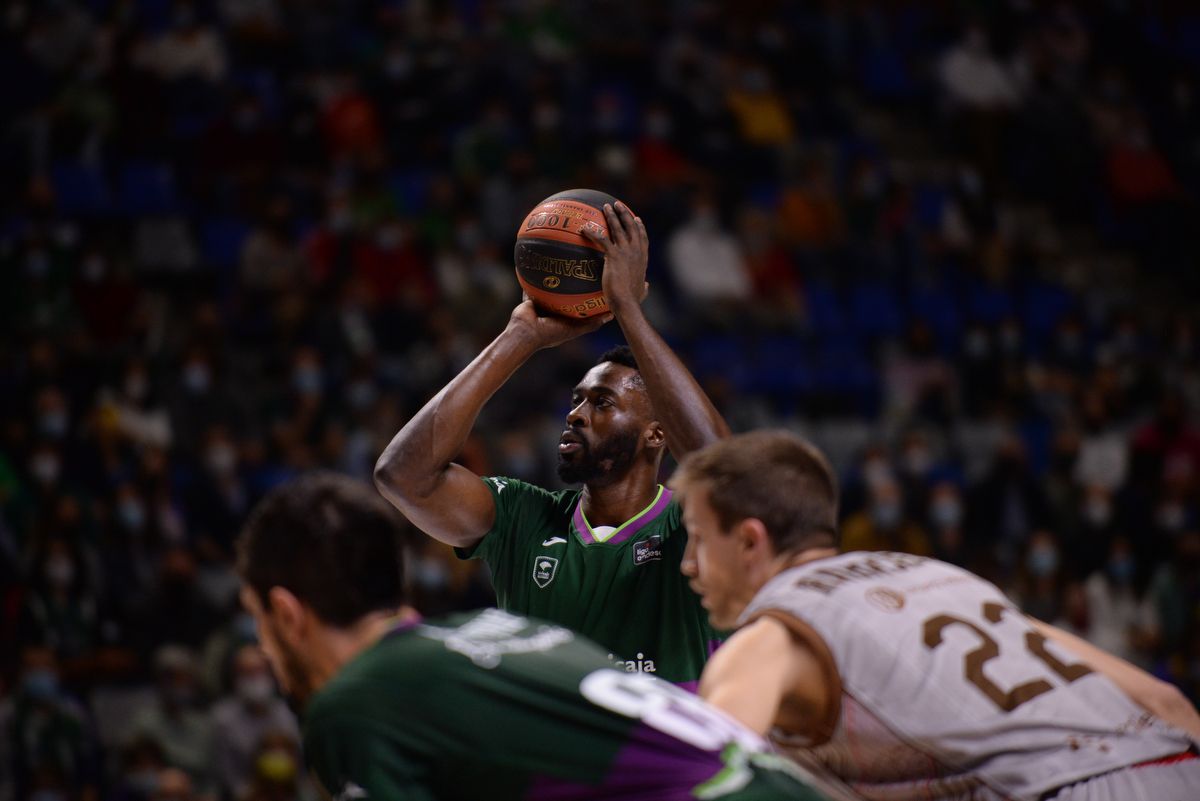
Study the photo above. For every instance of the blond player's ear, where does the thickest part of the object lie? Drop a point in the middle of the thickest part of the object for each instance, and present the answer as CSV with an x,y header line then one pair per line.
x,y
753,536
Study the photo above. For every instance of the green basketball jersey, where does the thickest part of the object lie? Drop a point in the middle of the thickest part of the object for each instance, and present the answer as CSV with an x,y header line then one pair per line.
x,y
623,590
490,706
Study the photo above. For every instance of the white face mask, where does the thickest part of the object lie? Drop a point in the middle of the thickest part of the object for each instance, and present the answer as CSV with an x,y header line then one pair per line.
x,y
60,571
946,512
45,468
221,458
255,689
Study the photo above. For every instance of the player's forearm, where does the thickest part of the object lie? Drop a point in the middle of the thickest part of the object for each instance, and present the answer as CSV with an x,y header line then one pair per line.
x,y
689,417
1161,699
412,463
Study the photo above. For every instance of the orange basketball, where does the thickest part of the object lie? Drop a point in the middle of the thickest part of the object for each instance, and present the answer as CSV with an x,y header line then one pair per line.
x,y
557,266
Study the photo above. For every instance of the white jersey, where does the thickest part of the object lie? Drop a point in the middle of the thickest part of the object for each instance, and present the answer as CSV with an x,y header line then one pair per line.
x,y
947,691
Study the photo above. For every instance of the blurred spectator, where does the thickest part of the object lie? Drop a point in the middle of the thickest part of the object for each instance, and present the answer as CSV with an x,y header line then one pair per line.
x,y
946,516
884,526
142,763
1118,622
242,721
173,784
175,720
707,263
1039,579
188,50
56,750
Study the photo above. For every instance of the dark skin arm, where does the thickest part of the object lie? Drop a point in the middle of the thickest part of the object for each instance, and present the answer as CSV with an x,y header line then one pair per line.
x,y
686,413
415,472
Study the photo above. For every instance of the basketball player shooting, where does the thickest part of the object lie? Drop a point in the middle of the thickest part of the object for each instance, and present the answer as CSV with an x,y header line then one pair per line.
x,y
902,676
603,560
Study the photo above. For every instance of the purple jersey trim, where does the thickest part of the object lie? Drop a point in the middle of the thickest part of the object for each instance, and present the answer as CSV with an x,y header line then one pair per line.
x,y
652,766
628,529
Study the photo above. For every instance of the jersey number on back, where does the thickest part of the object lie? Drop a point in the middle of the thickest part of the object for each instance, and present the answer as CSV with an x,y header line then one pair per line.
x,y
973,662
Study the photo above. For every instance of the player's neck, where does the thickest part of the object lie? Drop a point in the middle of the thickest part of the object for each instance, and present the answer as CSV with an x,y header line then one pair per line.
x,y
340,646
789,560
614,504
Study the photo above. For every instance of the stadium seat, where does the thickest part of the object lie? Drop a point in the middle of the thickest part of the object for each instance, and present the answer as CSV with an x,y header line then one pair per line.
x,y
148,188
80,190
875,312
221,241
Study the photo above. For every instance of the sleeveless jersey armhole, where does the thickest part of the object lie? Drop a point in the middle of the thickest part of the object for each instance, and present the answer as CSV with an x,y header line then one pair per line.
x,y
805,634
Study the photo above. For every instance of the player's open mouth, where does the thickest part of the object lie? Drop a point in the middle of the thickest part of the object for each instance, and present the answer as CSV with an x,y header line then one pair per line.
x,y
569,443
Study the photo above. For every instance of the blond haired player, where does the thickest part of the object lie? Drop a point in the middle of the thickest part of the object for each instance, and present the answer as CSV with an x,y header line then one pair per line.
x,y
903,676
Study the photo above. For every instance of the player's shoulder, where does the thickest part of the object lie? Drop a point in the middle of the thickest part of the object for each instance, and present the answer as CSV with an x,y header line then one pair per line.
x,y
506,488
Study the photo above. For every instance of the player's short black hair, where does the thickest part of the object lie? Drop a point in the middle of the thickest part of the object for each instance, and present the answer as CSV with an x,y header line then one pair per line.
x,y
619,354
329,540
774,476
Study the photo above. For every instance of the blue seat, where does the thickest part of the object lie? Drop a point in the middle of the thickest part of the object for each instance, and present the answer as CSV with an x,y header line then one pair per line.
x,y
989,304
875,311
781,369
930,201
148,188
221,241
1044,305
80,190
939,308
825,313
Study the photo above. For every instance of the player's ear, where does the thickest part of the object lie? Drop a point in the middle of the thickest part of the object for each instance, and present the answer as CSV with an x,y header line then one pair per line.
x,y
655,435
288,614
753,538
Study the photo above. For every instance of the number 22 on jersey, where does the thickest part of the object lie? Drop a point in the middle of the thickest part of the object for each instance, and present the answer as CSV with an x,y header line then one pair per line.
x,y
975,660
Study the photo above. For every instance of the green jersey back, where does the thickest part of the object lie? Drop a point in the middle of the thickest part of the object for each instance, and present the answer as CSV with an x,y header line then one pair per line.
x,y
620,588
488,705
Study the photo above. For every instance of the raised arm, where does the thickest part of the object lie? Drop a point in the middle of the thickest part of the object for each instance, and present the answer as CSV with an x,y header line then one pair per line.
x,y
687,415
1161,699
415,472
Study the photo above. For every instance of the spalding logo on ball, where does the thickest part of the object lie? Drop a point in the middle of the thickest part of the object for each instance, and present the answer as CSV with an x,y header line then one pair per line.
x,y
558,267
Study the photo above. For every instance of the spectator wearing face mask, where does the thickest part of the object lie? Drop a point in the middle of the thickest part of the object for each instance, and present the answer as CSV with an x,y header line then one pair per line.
x,y
174,719
56,749
1119,619
884,525
242,720
945,514
1039,577
61,610
142,762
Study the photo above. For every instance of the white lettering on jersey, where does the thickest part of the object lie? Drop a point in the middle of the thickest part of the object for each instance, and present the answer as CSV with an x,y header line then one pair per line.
x,y
494,633
639,665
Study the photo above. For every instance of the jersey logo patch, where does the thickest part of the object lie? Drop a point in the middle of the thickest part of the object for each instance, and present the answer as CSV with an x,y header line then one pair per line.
x,y
554,541
544,568
647,550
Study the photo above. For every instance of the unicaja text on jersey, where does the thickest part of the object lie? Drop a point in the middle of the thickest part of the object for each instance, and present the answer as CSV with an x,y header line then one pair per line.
x,y
638,665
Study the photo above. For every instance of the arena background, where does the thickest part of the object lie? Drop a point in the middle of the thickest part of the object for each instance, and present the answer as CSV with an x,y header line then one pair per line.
x,y
955,243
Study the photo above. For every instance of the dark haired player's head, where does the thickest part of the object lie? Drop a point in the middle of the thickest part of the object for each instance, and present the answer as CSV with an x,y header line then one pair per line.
x,y
611,428
318,557
774,476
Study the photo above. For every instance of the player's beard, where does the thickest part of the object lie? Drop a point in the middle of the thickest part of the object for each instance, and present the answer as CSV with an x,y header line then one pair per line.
x,y
610,460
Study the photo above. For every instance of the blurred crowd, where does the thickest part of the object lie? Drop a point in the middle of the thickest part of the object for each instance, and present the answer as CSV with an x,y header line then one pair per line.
x,y
953,243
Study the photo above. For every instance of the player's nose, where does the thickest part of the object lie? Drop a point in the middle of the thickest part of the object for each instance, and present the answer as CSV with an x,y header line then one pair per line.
x,y
576,418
